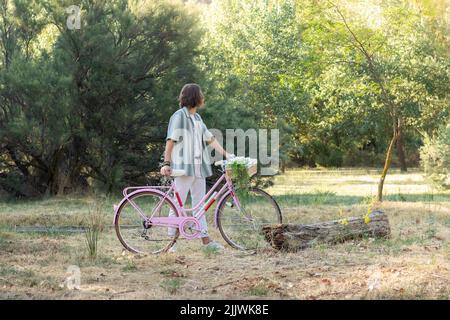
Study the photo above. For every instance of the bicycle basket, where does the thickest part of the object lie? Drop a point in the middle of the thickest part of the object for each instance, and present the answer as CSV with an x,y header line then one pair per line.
x,y
252,168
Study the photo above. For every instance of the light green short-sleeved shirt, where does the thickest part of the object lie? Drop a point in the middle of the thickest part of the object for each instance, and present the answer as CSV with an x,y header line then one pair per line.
x,y
181,130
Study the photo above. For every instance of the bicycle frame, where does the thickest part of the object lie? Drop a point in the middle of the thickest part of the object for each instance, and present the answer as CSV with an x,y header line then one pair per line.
x,y
182,213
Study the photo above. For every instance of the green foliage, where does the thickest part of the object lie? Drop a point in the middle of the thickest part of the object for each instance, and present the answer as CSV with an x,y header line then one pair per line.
x,y
172,285
295,66
259,289
94,224
435,156
239,175
92,108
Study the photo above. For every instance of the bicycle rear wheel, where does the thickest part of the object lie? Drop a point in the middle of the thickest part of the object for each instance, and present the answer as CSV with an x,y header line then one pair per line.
x,y
130,227
242,229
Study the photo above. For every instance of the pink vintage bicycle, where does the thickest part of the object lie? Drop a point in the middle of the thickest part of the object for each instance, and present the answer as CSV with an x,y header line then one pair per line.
x,y
143,223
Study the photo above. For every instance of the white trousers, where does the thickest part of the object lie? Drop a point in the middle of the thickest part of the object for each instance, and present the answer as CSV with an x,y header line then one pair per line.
x,y
197,187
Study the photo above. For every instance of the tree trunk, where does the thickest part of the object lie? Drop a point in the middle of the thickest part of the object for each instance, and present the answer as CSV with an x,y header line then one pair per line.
x,y
387,165
401,149
378,78
293,237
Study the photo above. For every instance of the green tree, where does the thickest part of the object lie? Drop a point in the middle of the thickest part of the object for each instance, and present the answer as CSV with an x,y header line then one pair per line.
x,y
435,157
92,108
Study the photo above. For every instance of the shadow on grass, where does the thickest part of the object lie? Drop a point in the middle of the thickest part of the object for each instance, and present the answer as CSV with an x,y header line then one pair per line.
x,y
419,197
330,198
319,198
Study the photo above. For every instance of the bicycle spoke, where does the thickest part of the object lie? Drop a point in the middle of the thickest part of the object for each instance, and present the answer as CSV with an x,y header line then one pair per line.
x,y
242,227
135,235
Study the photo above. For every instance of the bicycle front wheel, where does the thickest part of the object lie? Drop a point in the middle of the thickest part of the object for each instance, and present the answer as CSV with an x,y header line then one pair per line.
x,y
242,228
132,230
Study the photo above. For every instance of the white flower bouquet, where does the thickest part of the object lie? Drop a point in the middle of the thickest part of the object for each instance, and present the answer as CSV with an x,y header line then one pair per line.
x,y
236,167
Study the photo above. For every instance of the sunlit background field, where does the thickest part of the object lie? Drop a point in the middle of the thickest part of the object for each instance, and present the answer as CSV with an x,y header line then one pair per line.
x,y
37,246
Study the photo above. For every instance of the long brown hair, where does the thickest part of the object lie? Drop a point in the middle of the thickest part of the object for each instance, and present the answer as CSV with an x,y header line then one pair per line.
x,y
191,96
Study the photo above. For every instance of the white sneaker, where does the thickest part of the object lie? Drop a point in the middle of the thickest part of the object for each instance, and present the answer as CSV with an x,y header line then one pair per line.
x,y
173,249
214,246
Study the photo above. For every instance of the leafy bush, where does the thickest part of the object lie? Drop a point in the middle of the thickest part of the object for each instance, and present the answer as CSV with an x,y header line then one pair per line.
x,y
435,158
239,175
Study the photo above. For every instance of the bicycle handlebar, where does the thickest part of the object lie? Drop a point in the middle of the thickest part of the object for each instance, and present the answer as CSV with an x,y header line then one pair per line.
x,y
220,163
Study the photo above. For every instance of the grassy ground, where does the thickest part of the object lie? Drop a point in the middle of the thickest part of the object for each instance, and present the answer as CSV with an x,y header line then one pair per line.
x,y
414,263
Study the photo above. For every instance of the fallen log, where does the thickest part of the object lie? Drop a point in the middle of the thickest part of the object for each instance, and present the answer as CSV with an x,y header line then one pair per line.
x,y
293,237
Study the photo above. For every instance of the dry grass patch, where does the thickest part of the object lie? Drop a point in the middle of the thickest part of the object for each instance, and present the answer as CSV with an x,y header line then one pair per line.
x,y
413,264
